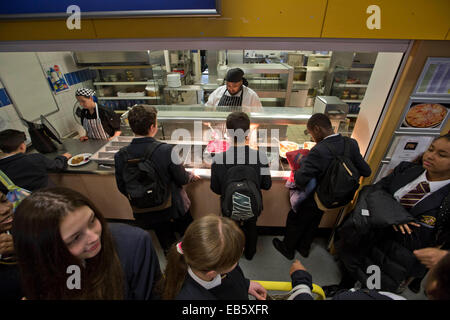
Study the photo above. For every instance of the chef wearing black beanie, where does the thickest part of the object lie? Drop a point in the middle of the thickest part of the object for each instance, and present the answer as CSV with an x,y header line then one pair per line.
x,y
235,92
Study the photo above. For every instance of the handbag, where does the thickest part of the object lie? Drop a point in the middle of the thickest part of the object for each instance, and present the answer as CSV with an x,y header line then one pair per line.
x,y
15,193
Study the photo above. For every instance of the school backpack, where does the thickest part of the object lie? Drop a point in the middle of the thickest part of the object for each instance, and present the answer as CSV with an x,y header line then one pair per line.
x,y
145,187
241,194
340,181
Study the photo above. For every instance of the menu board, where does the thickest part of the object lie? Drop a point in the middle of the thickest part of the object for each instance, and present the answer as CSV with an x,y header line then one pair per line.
x,y
435,78
424,116
405,148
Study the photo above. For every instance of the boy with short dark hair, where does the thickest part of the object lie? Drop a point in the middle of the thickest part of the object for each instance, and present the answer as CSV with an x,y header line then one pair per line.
x,y
239,153
175,216
302,225
28,171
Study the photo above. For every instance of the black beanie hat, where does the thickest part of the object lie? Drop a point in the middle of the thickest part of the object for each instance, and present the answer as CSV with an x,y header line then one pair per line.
x,y
234,75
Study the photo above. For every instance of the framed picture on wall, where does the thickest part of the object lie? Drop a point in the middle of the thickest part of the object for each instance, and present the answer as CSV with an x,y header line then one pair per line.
x,y
435,78
422,115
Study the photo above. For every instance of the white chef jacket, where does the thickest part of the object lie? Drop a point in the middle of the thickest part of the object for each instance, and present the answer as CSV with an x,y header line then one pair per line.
x,y
250,98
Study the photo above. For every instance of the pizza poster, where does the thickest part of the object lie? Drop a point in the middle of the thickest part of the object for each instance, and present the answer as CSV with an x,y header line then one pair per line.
x,y
426,115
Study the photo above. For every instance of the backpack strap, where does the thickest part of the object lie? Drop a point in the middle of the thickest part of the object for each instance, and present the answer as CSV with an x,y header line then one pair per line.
x,y
7,181
346,147
147,155
333,152
152,148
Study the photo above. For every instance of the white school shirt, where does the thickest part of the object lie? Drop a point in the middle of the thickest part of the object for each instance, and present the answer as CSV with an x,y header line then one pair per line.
x,y
434,186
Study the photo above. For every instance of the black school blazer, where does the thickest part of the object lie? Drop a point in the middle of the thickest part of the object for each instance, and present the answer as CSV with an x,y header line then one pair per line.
x,y
319,158
403,174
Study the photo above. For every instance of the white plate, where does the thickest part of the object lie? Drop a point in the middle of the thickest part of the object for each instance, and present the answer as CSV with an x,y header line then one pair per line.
x,y
86,157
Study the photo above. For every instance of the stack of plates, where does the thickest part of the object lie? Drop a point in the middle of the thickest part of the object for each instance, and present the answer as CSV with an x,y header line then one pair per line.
x,y
174,80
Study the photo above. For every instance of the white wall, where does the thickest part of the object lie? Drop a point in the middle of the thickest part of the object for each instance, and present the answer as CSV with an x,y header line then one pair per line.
x,y
377,91
62,120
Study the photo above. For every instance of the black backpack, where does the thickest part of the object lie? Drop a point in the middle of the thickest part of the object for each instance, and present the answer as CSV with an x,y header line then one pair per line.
x,y
143,182
340,181
241,194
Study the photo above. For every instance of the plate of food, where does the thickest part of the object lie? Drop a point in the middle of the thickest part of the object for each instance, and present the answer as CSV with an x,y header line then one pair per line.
x,y
286,146
308,145
79,159
425,115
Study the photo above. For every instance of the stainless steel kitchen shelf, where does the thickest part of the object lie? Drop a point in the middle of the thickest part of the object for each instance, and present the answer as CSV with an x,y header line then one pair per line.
x,y
129,98
266,115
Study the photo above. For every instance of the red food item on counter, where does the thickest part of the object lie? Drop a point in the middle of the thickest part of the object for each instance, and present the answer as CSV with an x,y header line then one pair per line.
x,y
294,158
217,146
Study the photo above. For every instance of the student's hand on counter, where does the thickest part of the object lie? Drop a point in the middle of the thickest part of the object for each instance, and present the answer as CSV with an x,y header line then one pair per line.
x,y
84,138
193,177
430,256
67,155
257,290
296,265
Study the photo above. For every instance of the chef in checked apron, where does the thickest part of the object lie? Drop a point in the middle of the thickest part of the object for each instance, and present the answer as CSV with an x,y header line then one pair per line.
x,y
99,122
234,93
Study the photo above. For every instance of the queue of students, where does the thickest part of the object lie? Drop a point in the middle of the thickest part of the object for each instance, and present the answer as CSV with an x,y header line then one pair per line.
x,y
54,229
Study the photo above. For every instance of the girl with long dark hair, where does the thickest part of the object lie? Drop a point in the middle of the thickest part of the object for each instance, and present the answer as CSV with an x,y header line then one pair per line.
x,y
58,231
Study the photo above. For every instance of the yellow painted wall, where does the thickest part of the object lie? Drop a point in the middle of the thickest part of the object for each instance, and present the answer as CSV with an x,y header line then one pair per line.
x,y
400,19
240,18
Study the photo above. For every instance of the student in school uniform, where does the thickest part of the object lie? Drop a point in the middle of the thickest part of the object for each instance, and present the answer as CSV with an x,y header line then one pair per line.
x,y
173,217
422,192
302,224
58,228
239,153
28,171
437,285
204,265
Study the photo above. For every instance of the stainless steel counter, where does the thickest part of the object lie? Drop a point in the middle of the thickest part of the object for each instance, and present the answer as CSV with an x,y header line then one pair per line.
x,y
99,185
74,147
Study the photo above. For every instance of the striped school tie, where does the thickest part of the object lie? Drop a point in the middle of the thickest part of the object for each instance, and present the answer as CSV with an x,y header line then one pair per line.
x,y
412,197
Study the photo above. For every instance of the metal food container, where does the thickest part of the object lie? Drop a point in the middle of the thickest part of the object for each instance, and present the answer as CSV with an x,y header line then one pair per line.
x,y
106,153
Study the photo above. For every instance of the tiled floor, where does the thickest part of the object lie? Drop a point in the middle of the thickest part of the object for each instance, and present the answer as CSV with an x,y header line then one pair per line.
x,y
270,265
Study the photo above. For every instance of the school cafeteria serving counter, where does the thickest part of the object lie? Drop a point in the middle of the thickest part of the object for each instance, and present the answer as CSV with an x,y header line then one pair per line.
x,y
97,181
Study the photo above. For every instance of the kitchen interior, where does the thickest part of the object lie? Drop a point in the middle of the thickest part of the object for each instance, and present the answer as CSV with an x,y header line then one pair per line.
x,y
292,85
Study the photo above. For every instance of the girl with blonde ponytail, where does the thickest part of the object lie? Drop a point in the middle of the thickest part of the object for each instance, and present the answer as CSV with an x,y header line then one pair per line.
x,y
204,265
